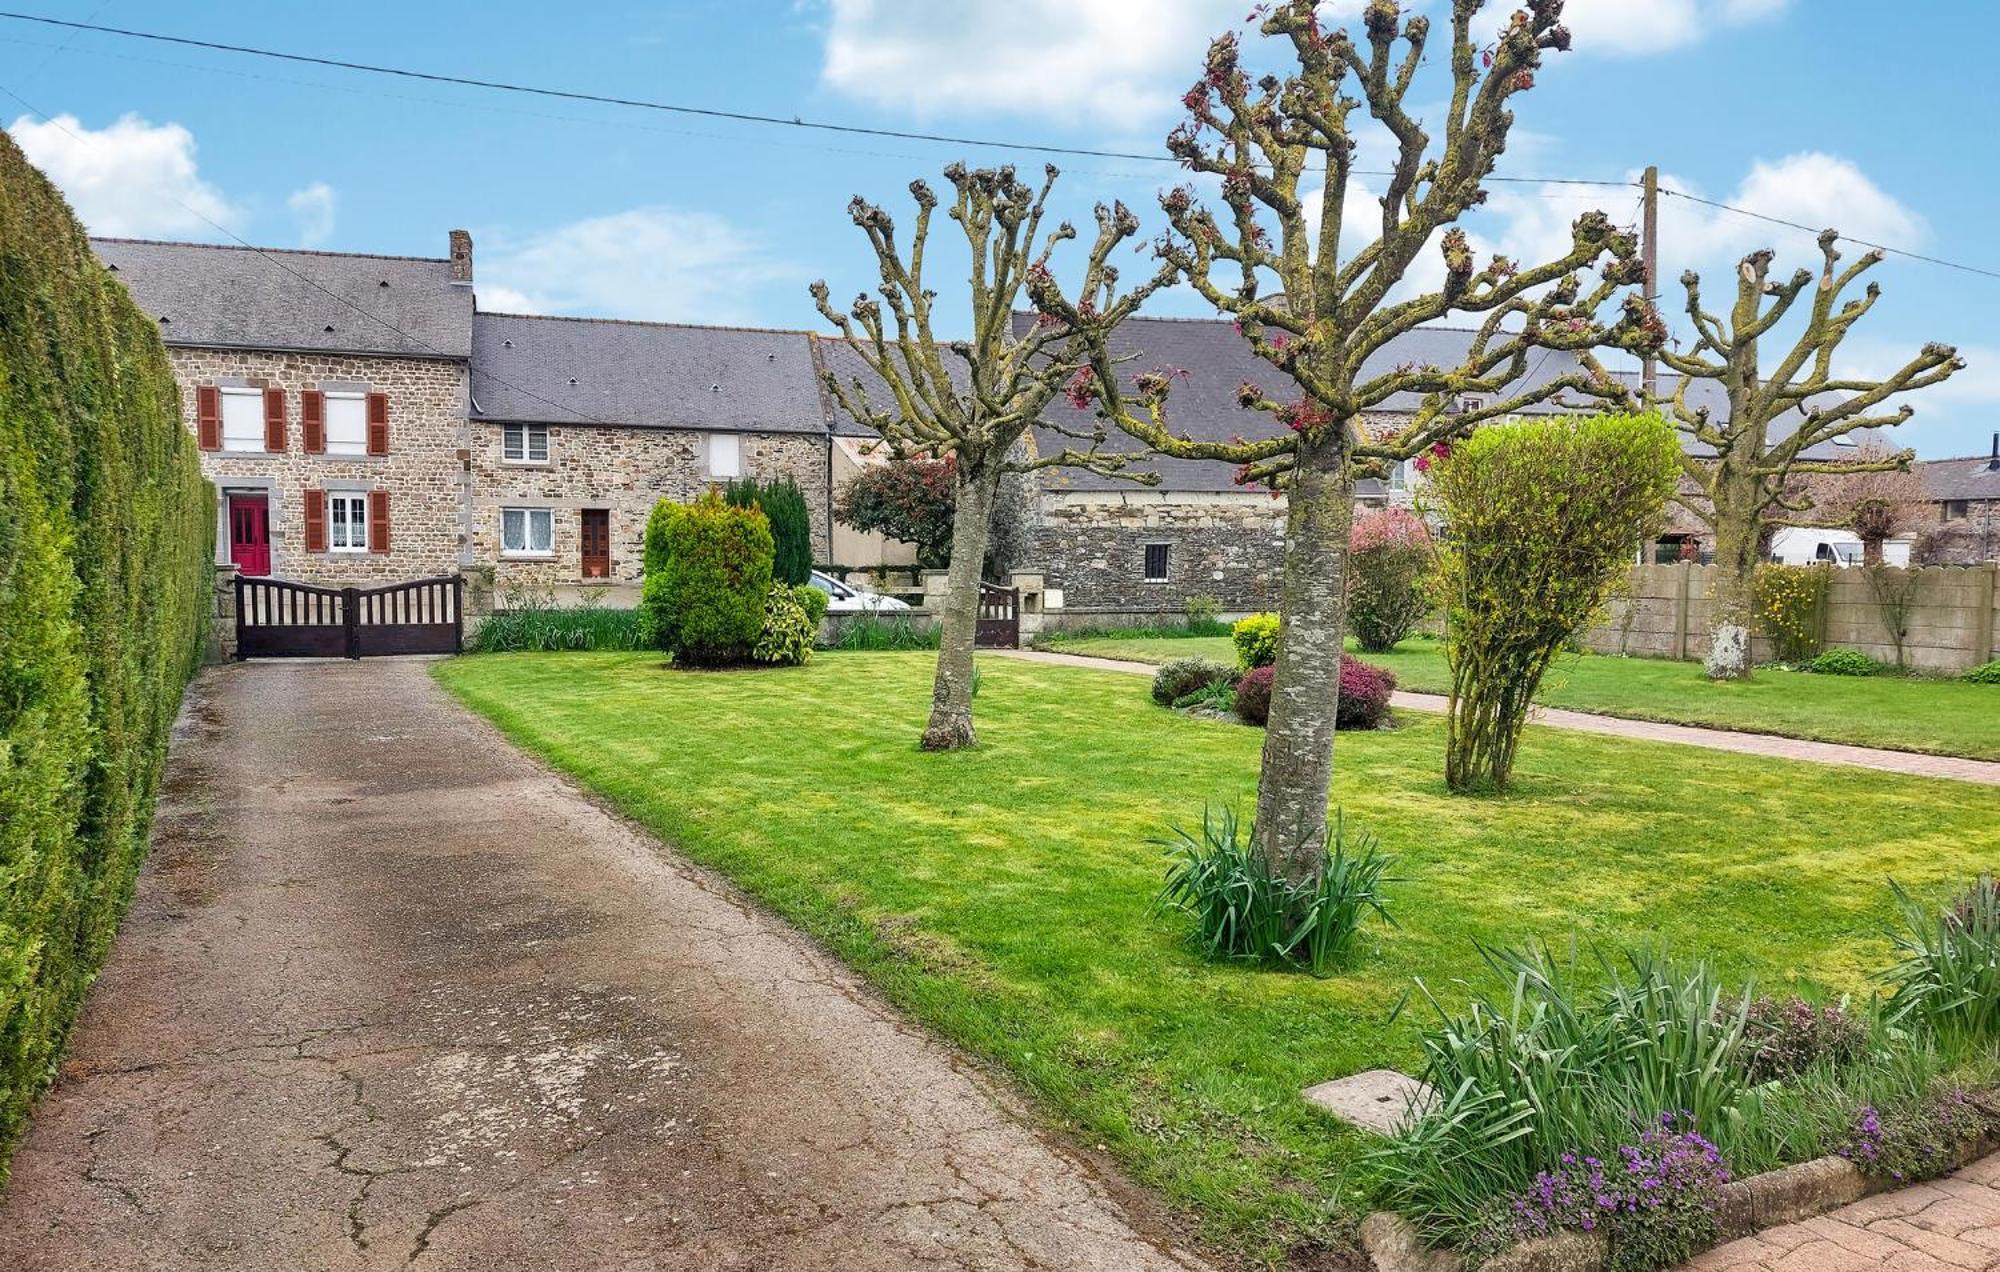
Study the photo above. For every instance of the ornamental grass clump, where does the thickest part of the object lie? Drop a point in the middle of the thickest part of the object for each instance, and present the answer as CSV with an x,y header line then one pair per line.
x,y
1543,517
1567,1061
1389,563
1242,911
1947,978
1183,678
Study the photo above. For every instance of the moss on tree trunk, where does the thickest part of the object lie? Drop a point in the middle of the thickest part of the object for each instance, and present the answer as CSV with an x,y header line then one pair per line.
x,y
950,726
1297,770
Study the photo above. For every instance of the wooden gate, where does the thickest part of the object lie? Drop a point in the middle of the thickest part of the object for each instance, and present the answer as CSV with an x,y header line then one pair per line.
x,y
999,625
276,618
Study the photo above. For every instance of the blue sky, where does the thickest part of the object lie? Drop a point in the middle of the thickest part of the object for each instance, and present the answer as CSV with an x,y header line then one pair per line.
x,y
1873,118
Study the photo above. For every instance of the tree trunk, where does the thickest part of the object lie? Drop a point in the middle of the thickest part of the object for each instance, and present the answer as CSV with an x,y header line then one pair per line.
x,y
1733,602
1871,551
1297,771
950,726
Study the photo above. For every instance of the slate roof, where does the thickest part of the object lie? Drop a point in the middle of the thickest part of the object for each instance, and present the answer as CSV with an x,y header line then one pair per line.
x,y
209,296
1968,477
645,374
1203,404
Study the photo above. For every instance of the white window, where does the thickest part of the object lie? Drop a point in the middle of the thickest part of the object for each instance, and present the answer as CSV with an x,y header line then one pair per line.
x,y
347,522
1399,475
346,424
525,444
527,531
725,455
243,420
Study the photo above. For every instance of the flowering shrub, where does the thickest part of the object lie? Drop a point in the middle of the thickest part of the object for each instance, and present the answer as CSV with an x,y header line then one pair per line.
x,y
1184,676
1388,563
1785,1036
1656,1200
1364,695
1791,608
1920,1140
1256,638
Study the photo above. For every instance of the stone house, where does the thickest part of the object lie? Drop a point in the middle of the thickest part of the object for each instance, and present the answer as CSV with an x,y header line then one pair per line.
x,y
580,425
364,424
1966,492
327,392
1116,552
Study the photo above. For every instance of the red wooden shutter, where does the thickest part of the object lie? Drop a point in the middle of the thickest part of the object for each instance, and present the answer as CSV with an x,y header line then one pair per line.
x,y
274,420
208,417
315,521
312,418
378,423
378,521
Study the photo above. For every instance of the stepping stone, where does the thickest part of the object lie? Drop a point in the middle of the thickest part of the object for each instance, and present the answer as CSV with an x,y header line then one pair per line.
x,y
1378,1101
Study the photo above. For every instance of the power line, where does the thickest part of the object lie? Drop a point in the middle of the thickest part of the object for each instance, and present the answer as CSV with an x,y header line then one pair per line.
x,y
1846,238
271,259
638,103
504,86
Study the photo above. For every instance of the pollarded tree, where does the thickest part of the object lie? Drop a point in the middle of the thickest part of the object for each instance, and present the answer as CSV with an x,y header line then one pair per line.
x,y
1778,419
1317,311
975,399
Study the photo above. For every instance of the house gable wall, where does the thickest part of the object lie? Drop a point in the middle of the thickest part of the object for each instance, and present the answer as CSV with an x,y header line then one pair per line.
x,y
424,472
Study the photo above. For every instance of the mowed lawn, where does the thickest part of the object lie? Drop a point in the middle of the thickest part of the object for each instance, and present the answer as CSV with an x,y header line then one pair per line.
x,y
1003,895
1941,717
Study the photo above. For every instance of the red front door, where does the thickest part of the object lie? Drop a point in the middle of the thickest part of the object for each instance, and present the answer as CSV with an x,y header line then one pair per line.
x,y
597,543
250,533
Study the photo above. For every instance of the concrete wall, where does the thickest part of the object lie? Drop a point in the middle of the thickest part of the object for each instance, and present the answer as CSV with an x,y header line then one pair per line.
x,y
1952,618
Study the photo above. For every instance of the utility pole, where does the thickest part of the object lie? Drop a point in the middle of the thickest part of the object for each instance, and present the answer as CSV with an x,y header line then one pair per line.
x,y
1650,254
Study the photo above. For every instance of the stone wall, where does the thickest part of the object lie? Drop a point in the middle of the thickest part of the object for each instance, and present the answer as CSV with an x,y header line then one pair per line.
x,y
424,472
1951,622
1091,548
624,470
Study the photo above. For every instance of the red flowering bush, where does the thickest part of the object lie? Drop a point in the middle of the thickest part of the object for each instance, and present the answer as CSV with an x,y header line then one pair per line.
x,y
1388,577
1364,695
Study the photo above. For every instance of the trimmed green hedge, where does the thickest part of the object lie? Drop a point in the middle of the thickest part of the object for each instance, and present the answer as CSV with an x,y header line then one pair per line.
x,y
106,543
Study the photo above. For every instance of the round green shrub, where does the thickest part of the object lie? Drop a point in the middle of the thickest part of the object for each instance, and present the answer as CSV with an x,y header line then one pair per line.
x,y
1985,673
1844,662
708,577
813,601
787,638
1184,676
1256,639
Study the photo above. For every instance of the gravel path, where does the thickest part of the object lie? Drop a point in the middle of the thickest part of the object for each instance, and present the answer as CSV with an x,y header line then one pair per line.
x,y
391,994
1985,772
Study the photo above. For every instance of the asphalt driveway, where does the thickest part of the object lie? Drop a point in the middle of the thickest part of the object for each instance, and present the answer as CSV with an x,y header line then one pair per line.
x,y
392,994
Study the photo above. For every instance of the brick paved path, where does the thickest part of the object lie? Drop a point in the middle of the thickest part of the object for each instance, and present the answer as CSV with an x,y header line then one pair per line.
x,y
1947,1225
1945,766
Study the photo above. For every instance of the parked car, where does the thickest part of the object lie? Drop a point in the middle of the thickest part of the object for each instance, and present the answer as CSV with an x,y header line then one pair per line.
x,y
849,599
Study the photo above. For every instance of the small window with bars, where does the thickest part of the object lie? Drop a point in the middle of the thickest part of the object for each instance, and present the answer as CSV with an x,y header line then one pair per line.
x,y
1156,563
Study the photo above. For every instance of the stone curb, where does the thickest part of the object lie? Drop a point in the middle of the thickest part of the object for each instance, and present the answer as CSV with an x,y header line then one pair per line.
x,y
1749,1206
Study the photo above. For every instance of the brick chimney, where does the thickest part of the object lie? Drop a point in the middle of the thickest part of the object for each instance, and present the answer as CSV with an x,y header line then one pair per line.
x,y
461,256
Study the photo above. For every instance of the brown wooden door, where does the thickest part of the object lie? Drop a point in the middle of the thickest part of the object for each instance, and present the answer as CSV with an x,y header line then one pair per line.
x,y
597,543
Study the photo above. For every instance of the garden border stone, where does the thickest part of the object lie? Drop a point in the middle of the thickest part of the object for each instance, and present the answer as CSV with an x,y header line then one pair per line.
x,y
1788,1194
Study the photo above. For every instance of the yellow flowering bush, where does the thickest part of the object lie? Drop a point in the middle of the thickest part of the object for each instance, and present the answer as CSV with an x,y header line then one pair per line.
x,y
1791,609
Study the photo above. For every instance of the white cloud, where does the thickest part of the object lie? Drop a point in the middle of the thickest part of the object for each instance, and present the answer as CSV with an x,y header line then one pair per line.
x,y
649,262
132,178
1635,28
1114,62
313,206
